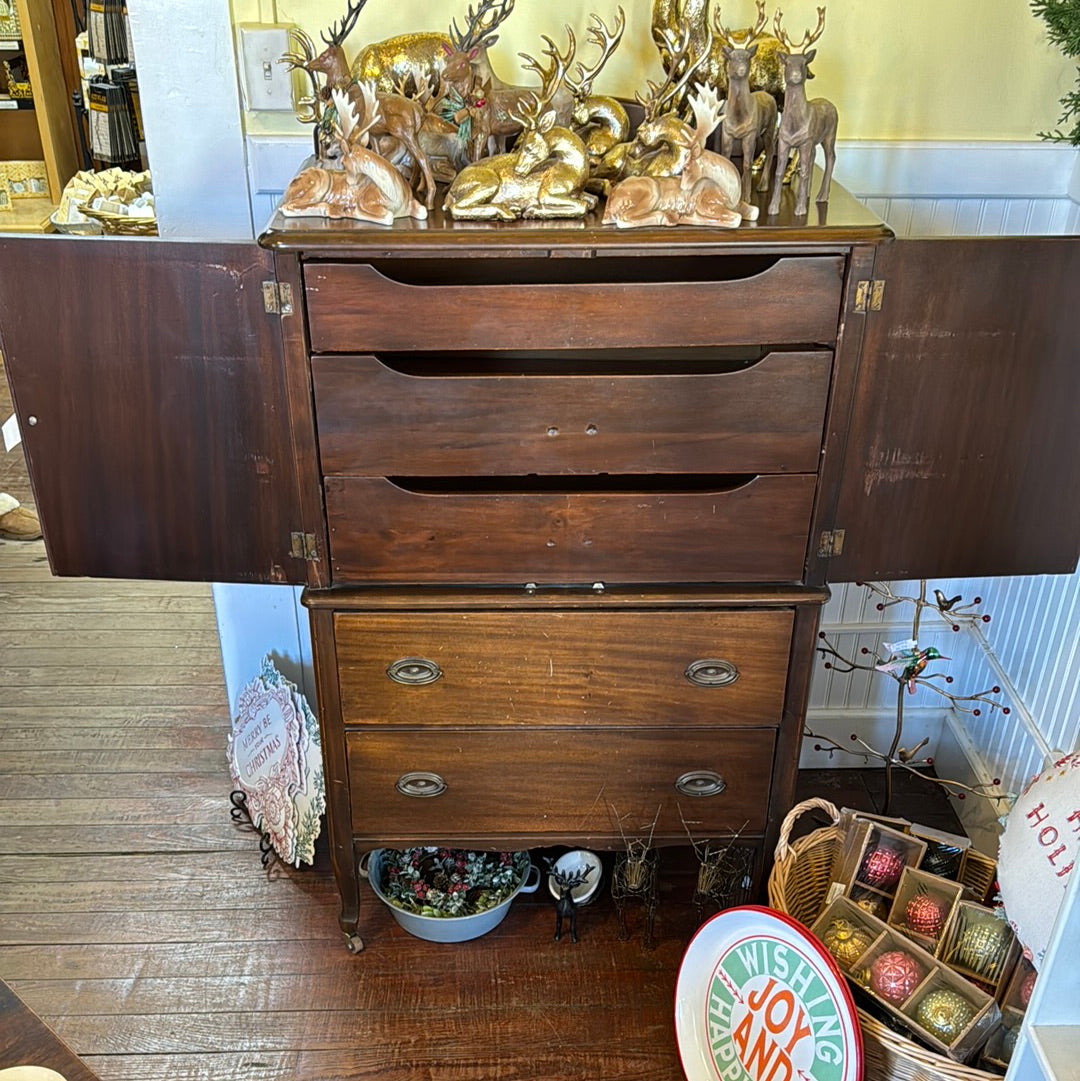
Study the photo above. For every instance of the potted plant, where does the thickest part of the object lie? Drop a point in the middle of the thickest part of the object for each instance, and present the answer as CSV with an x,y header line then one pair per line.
x,y
447,894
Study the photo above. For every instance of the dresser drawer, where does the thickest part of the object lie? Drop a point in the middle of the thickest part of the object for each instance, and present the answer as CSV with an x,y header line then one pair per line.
x,y
555,781
561,668
383,532
766,417
507,303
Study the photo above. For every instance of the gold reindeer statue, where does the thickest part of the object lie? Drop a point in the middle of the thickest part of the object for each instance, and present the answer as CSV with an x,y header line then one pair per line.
x,y
366,187
706,190
601,121
749,124
542,177
805,124
671,17
409,61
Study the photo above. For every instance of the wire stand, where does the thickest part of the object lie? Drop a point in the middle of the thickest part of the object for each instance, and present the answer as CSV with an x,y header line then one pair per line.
x,y
241,816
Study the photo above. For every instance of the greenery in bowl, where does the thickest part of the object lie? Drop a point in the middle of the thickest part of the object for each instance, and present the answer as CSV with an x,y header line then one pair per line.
x,y
448,881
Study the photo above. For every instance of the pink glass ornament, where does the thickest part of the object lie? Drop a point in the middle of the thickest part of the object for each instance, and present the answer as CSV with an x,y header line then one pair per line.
x,y
894,975
925,914
881,868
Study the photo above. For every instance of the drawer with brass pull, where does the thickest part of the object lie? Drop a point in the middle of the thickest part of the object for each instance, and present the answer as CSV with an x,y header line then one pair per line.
x,y
563,668
446,784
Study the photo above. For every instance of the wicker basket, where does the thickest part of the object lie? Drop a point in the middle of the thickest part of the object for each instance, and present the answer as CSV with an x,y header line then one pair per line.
x,y
798,884
121,224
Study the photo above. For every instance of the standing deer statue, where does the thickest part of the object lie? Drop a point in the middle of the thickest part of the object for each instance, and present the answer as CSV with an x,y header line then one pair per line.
x,y
413,60
805,124
399,118
672,17
542,177
367,187
749,124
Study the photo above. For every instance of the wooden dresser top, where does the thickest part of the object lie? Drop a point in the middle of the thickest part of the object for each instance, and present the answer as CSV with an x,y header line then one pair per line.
x,y
841,222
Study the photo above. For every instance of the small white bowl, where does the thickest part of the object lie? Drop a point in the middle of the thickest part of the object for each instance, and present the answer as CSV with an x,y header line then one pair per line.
x,y
577,860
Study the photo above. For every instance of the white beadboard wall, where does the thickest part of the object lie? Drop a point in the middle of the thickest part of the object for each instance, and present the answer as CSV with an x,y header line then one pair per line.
x,y
1034,630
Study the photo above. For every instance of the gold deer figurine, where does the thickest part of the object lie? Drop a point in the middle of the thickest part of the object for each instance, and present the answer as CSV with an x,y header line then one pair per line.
x,y
671,17
366,187
601,121
805,124
542,177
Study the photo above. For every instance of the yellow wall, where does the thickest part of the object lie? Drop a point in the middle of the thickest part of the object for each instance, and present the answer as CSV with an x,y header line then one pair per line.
x,y
896,69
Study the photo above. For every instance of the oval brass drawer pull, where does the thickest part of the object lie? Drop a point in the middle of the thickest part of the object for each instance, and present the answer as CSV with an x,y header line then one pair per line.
x,y
711,673
420,785
414,671
701,782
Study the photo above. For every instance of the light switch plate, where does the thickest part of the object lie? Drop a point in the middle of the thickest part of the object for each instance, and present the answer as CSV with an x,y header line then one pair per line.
x,y
267,84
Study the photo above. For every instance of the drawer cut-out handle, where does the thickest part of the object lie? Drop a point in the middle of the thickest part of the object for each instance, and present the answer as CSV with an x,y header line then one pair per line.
x,y
414,671
711,672
420,785
701,782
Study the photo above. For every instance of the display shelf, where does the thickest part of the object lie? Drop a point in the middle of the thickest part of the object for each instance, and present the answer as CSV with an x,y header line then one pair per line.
x,y
1056,1048
44,132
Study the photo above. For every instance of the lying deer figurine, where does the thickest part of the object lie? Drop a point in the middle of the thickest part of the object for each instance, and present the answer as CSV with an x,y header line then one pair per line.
x,y
542,177
707,190
367,187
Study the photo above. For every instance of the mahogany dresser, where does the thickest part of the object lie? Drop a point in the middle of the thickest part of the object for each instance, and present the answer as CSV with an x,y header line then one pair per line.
x,y
566,499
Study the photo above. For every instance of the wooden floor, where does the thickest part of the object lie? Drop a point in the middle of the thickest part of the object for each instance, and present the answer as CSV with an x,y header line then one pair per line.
x,y
136,920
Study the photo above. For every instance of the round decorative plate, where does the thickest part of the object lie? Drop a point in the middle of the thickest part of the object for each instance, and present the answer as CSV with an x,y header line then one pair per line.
x,y
759,998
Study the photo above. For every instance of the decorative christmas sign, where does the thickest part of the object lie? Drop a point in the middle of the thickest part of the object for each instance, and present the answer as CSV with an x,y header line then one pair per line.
x,y
1037,852
758,998
275,759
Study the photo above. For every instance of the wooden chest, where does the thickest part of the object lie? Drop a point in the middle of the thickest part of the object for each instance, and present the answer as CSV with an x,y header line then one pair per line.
x,y
566,499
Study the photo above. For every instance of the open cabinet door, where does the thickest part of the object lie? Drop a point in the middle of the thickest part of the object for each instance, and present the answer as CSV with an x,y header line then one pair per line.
x,y
152,398
963,452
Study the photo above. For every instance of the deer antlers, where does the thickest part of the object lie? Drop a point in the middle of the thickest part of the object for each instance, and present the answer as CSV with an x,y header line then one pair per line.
x,y
551,78
667,93
337,33
741,39
481,25
808,37
608,41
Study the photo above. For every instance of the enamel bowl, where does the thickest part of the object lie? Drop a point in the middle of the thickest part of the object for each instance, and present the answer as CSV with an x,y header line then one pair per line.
x,y
448,928
578,860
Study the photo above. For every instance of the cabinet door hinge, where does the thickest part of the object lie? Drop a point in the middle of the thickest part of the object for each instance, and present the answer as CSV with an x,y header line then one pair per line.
x,y
302,546
868,295
832,543
277,298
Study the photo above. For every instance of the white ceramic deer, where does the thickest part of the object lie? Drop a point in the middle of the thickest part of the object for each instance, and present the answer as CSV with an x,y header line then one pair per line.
x,y
706,191
367,187
805,124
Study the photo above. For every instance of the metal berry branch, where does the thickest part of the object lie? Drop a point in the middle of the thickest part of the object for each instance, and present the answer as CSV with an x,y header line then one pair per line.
x,y
907,664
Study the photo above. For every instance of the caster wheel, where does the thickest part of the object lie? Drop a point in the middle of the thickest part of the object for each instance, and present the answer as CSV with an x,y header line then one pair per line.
x,y
354,943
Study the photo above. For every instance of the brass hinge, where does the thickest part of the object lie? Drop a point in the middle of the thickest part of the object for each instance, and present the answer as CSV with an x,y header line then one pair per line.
x,y
868,295
277,298
302,546
832,543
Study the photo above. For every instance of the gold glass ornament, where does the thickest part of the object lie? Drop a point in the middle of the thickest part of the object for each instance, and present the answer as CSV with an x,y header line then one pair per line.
x,y
944,1013
872,903
846,941
981,945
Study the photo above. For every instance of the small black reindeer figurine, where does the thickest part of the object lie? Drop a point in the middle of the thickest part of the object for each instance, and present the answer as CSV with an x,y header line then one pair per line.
x,y
565,906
